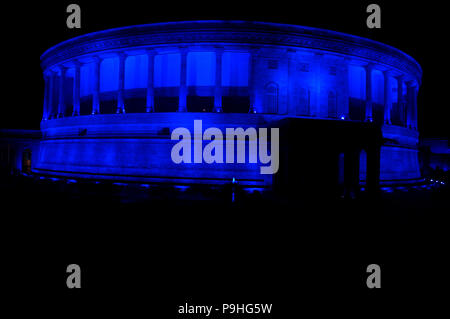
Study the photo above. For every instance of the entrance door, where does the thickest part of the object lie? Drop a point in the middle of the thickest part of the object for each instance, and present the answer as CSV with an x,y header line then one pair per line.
x,y
26,161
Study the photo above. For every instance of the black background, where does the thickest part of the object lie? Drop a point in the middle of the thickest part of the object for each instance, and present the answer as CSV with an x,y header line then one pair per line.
x,y
148,259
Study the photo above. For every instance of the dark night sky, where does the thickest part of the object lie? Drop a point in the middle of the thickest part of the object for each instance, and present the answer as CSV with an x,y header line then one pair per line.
x,y
29,29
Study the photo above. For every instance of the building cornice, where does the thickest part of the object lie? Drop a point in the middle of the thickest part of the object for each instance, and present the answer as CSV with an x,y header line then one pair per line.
x,y
231,32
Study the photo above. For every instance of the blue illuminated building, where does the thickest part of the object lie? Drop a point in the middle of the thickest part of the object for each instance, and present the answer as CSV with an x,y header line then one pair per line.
x,y
113,97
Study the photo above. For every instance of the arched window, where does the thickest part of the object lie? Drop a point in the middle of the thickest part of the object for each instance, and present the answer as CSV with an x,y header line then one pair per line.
x,y
332,104
271,98
303,107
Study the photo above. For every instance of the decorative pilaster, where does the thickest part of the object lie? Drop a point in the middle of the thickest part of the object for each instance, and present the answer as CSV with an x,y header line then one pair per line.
x,y
252,79
410,87
121,88
369,102
96,93
291,56
415,93
51,95
317,69
46,95
218,83
344,112
182,98
400,102
76,89
387,97
61,103
150,106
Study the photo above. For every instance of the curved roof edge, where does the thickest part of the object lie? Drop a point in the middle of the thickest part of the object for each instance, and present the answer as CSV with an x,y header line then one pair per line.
x,y
230,25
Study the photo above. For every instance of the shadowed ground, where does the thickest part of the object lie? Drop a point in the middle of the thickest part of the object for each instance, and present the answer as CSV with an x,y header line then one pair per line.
x,y
152,249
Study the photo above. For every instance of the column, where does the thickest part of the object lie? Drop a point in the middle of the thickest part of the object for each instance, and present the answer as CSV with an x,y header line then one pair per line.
x,y
414,122
387,97
409,103
344,113
51,95
46,96
400,98
121,90
182,104
76,89
291,55
96,93
252,80
369,116
61,104
317,69
218,84
150,106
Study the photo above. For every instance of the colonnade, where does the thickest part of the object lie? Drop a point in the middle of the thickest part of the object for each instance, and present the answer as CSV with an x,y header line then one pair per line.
x,y
407,105
55,80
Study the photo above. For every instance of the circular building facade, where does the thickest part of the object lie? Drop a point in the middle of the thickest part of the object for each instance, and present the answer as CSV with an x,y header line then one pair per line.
x,y
112,98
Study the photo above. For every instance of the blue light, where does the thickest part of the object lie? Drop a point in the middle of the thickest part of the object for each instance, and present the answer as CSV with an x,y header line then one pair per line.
x,y
357,82
181,187
201,68
120,184
167,70
109,74
136,72
377,87
98,158
87,74
235,69
253,189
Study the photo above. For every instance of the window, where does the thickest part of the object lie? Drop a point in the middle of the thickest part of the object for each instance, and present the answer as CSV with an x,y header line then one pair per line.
x,y
332,70
332,105
303,107
271,98
272,64
303,67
